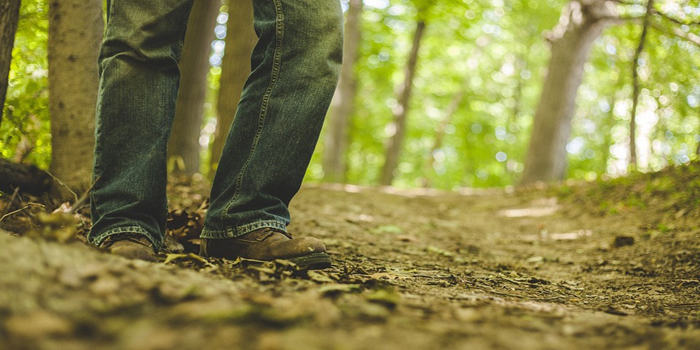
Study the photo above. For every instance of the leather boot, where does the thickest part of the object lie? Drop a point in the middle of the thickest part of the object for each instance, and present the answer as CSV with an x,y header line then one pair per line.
x,y
269,244
130,245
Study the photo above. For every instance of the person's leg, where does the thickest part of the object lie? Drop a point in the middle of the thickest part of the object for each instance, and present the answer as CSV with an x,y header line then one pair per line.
x,y
139,80
285,99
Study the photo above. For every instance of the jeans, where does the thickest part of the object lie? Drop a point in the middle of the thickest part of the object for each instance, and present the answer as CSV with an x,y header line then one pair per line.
x,y
295,68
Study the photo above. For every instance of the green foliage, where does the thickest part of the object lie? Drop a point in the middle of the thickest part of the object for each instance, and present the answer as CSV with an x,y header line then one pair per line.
x,y
490,52
493,54
26,118
673,192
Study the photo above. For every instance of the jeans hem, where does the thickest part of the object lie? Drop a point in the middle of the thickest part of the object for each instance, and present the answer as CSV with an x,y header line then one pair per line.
x,y
125,229
233,232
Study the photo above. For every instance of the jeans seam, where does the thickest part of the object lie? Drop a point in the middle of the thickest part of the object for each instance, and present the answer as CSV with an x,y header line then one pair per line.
x,y
276,64
243,229
125,229
96,172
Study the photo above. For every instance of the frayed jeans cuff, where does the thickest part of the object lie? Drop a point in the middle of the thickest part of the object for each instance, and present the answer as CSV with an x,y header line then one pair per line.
x,y
97,240
233,232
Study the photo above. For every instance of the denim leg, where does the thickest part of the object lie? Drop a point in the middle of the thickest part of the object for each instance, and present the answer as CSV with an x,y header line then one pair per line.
x,y
295,64
139,79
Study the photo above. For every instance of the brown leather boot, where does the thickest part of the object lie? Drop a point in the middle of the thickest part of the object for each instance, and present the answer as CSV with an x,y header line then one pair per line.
x,y
130,245
270,244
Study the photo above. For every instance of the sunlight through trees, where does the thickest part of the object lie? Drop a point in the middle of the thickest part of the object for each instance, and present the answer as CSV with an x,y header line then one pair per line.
x,y
442,94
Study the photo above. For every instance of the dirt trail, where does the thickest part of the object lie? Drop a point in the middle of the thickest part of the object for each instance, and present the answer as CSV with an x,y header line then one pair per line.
x,y
413,270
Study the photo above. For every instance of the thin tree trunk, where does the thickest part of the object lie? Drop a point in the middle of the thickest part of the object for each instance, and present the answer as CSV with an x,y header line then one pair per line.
x,y
9,16
400,112
606,129
636,87
75,33
343,106
571,40
697,150
517,102
440,132
235,68
183,148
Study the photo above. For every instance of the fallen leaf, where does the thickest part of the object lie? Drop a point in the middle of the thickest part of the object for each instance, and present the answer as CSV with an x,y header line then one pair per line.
x,y
172,257
319,277
387,229
385,296
190,256
439,251
535,259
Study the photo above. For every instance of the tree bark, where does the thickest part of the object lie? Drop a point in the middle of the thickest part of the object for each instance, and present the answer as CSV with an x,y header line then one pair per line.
x,y
336,140
75,33
400,112
571,40
9,16
235,68
183,147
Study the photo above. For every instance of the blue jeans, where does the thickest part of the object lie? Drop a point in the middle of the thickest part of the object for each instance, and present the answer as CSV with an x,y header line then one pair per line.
x,y
295,67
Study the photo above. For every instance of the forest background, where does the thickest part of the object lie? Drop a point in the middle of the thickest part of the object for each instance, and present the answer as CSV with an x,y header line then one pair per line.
x,y
433,93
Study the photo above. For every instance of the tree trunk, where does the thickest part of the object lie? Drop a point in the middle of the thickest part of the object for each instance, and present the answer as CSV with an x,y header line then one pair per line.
x,y
637,88
393,149
183,148
75,33
440,132
23,177
697,148
9,16
235,68
521,63
606,130
343,106
580,24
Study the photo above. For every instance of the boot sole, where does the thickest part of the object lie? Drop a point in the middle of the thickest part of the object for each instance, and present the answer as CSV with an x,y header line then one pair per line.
x,y
315,261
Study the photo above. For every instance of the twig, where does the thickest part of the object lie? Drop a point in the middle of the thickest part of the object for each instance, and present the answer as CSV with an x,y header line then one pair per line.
x,y
624,2
64,185
619,20
493,291
13,212
19,210
82,199
12,200
690,37
673,19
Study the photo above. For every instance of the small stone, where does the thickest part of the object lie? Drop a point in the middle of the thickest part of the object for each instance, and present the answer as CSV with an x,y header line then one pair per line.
x,y
38,324
467,315
621,241
105,285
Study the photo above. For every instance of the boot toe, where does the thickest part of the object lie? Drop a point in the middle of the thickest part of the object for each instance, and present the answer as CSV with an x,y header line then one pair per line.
x,y
298,247
130,246
134,252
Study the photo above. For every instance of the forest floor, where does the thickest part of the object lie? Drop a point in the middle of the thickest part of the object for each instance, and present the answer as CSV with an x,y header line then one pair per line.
x,y
597,266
